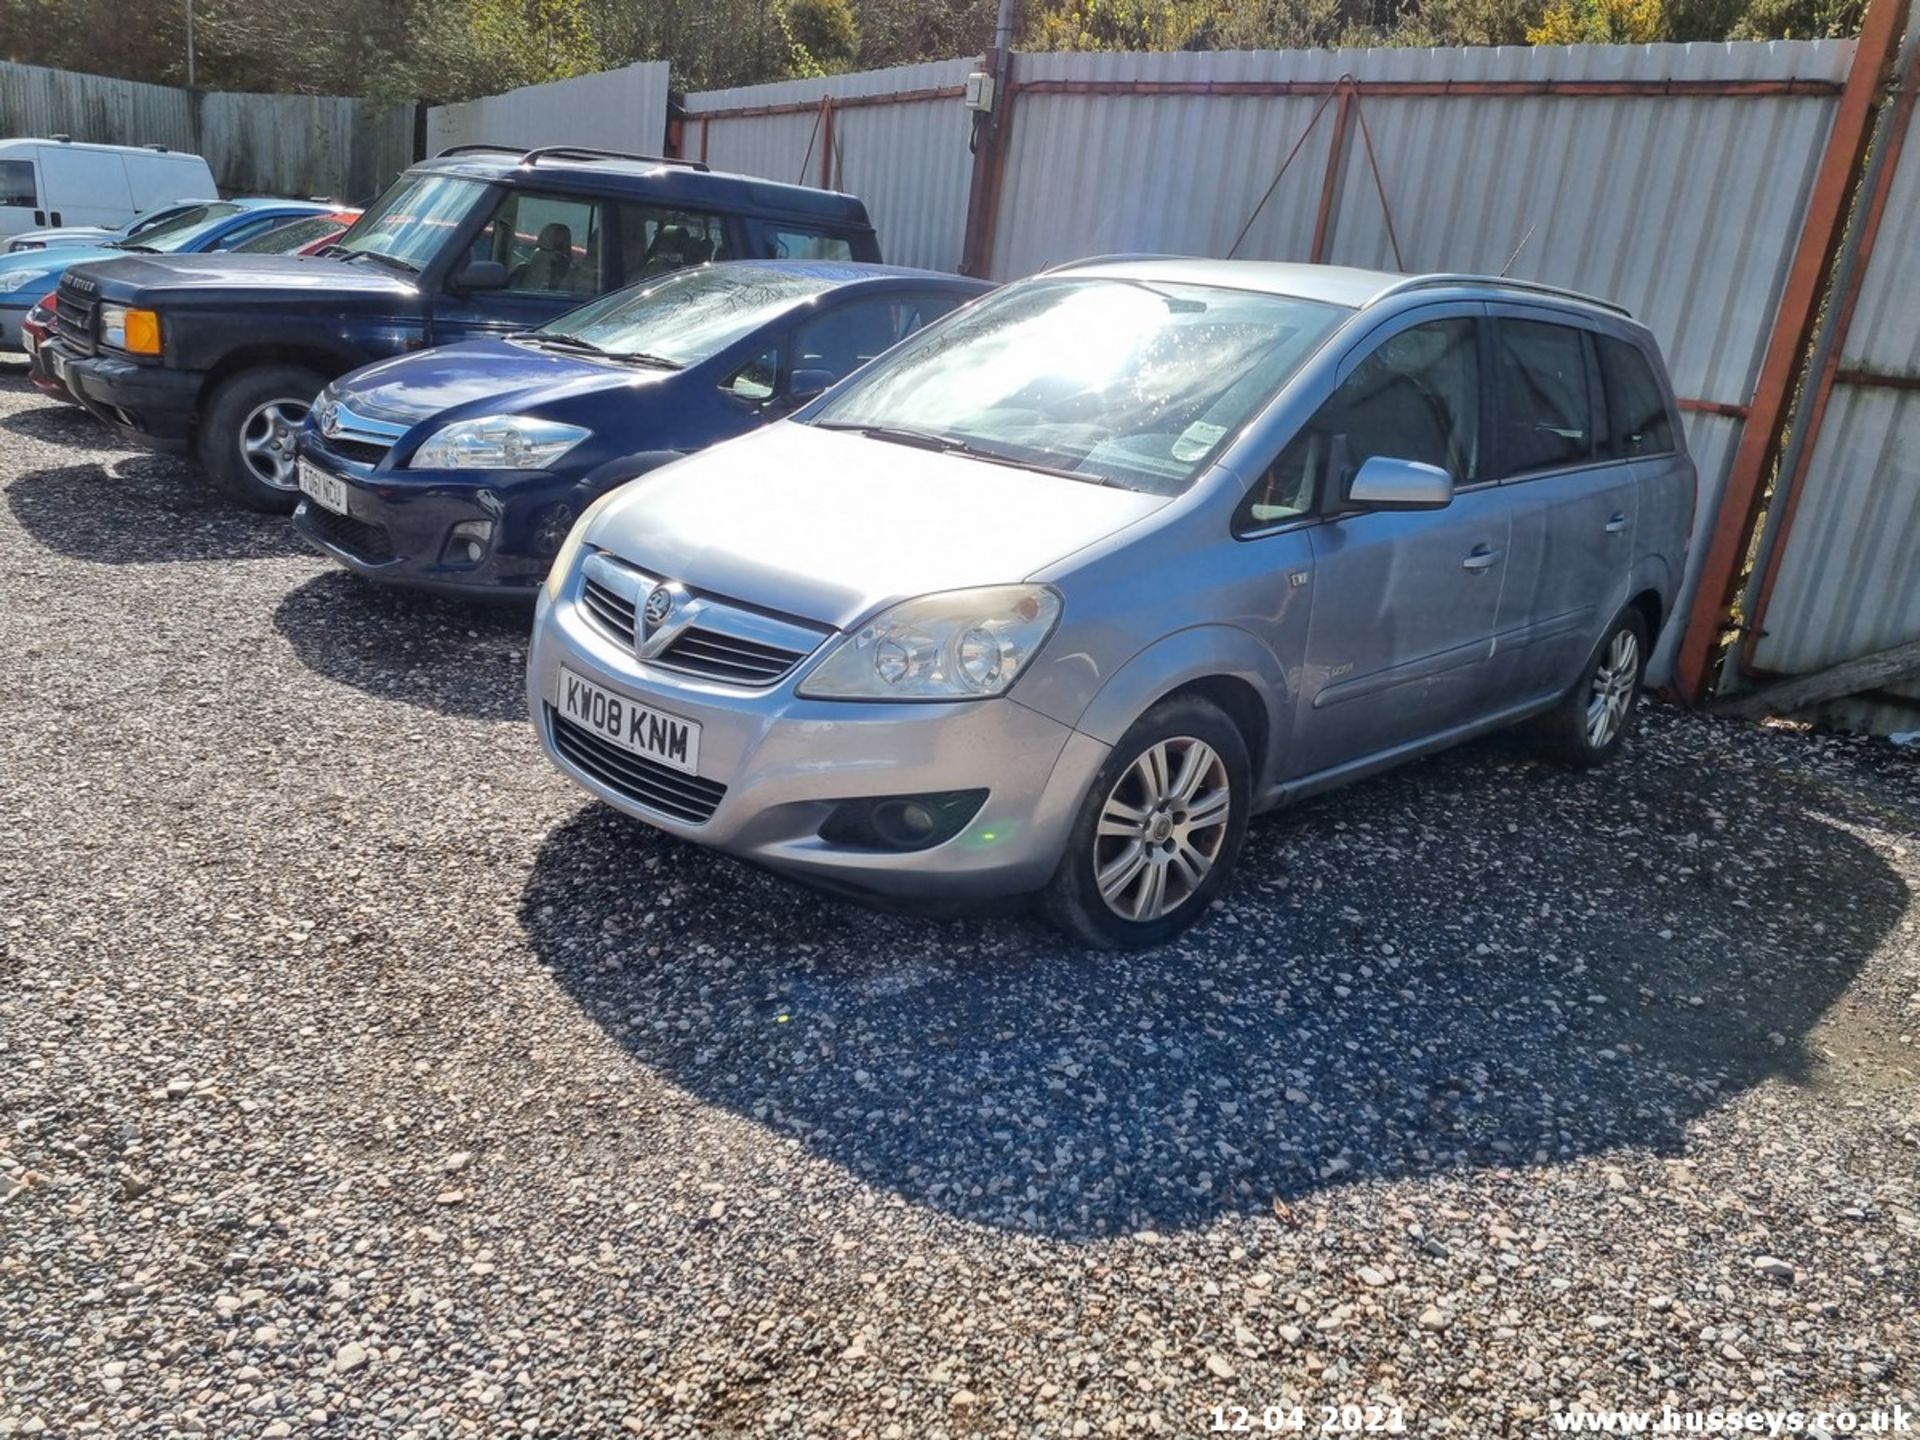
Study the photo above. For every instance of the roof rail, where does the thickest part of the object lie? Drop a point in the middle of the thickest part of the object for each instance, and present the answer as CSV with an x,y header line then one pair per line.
x,y
1430,282
569,152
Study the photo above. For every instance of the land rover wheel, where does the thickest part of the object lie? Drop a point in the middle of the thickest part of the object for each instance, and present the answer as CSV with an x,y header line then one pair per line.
x,y
248,431
1159,830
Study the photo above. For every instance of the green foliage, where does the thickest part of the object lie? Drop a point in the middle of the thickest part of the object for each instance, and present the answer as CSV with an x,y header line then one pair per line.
x,y
440,50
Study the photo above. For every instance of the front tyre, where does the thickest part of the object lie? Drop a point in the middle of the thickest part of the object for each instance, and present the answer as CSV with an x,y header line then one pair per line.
x,y
1159,829
1586,728
248,430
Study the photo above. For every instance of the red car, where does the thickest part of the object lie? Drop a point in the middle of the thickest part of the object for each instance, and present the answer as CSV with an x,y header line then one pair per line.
x,y
35,331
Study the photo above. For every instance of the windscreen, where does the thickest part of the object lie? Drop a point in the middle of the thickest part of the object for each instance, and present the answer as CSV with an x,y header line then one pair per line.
x,y
687,316
1128,381
411,222
182,230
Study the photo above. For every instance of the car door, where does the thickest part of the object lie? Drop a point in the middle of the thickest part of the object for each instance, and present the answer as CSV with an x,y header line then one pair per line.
x,y
85,187
1404,602
1573,500
552,247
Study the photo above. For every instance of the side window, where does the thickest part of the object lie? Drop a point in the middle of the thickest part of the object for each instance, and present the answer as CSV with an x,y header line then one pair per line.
x,y
655,241
1540,374
550,244
846,337
1415,397
16,184
1636,404
805,245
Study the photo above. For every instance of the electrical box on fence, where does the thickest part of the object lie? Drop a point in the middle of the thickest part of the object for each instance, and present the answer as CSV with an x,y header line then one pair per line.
x,y
979,91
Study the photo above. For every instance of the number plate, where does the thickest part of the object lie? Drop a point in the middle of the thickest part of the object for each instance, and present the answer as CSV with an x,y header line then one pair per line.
x,y
325,489
30,342
628,724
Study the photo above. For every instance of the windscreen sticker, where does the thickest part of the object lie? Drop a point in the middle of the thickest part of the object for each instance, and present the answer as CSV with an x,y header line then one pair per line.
x,y
1197,439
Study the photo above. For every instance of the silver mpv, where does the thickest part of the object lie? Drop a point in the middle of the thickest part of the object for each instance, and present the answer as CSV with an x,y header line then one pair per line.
x,y
1058,593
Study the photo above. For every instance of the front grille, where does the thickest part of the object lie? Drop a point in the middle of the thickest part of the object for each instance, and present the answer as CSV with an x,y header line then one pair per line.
x,y
359,539
643,781
737,661
612,612
77,308
358,451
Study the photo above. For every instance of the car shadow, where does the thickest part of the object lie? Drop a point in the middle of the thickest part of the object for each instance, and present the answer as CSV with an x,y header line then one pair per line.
x,y
56,422
460,658
143,509
1477,961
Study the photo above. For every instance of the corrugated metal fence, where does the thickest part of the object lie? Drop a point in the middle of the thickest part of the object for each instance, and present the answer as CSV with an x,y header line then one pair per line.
x,y
622,109
255,144
1839,576
896,138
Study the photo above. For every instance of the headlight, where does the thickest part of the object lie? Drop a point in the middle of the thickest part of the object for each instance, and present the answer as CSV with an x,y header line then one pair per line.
x,y
130,328
569,550
12,280
960,645
497,442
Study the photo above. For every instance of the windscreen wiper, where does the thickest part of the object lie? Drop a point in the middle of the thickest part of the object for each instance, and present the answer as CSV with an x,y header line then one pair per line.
x,y
561,340
642,357
951,445
391,262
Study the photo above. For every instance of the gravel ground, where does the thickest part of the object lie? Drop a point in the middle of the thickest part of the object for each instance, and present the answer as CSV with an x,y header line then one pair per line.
x,y
361,1078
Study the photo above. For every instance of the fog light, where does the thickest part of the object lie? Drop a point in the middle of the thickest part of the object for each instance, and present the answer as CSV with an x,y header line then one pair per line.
x,y
467,543
902,822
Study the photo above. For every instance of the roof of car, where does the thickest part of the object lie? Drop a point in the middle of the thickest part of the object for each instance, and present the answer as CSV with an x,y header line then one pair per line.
x,y
268,202
847,272
1335,284
604,169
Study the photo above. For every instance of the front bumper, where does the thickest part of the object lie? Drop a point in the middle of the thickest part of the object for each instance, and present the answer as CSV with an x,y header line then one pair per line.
x,y
11,317
149,405
397,526
787,762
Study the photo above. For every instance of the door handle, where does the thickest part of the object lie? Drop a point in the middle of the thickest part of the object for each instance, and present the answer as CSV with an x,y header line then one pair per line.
x,y
40,217
1616,524
56,217
1480,558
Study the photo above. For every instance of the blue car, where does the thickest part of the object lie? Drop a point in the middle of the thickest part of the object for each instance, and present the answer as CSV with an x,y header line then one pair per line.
x,y
26,276
462,469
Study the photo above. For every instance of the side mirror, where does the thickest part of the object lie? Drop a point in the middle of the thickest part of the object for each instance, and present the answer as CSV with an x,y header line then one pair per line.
x,y
479,275
808,385
1387,484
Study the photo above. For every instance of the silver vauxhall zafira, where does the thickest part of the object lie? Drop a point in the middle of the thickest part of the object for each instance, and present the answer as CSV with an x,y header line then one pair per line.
x,y
1055,595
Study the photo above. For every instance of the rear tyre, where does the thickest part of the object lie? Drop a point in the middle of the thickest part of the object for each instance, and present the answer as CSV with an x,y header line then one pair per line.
x,y
248,430
1588,726
1158,832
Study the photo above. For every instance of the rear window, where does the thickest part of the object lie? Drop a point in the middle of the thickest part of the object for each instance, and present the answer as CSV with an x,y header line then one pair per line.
x,y
16,184
288,238
1546,410
1636,404
806,245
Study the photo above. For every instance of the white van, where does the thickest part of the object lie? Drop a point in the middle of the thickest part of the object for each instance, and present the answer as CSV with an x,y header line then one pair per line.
x,y
49,183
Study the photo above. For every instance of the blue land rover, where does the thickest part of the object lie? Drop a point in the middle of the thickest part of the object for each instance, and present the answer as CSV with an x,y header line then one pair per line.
x,y
224,353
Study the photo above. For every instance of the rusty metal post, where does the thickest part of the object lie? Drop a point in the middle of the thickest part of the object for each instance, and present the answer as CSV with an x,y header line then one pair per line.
x,y
989,170
1800,302
1882,167
1336,168
826,142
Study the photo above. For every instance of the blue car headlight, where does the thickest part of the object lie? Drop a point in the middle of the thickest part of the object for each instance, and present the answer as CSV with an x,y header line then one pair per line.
x,y
38,279
497,442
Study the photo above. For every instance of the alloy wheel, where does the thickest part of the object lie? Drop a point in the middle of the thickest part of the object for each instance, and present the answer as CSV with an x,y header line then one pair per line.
x,y
267,439
1161,829
1612,693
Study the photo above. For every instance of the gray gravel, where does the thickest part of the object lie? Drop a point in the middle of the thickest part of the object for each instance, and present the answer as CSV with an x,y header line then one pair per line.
x,y
360,1078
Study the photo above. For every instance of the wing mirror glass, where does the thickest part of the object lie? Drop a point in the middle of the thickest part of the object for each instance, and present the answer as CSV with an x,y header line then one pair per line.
x,y
809,385
1384,483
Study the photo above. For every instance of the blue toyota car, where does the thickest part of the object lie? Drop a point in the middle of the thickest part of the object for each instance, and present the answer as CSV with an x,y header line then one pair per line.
x,y
200,228
462,469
